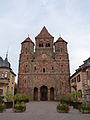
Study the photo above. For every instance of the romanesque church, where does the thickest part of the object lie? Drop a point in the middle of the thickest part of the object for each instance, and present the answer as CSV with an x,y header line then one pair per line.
x,y
44,67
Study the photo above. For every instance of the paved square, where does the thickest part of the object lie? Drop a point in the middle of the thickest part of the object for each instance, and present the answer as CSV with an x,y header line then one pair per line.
x,y
43,111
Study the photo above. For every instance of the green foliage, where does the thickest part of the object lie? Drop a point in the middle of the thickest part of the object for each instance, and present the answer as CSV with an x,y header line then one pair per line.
x,y
15,89
68,97
2,107
19,107
84,107
21,97
9,98
75,96
63,108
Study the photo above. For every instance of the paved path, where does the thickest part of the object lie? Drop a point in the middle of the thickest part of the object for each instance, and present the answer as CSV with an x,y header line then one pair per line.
x,y
43,111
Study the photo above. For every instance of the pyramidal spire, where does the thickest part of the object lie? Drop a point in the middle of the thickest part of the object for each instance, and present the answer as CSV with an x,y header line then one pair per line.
x,y
44,34
28,39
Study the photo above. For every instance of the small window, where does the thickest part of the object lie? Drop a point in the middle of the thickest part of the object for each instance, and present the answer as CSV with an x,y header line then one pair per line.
x,y
5,74
78,78
35,68
43,69
40,44
61,65
2,75
52,68
47,44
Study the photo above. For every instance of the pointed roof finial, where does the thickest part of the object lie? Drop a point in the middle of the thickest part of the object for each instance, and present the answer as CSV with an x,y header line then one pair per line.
x,y
59,35
6,55
28,35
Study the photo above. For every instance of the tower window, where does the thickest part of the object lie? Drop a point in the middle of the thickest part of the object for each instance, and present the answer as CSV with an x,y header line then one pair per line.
x,y
40,44
47,44
78,78
52,68
35,68
61,65
43,70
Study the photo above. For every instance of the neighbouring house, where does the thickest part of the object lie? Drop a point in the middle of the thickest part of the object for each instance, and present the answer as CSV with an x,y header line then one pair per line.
x,y
7,78
80,80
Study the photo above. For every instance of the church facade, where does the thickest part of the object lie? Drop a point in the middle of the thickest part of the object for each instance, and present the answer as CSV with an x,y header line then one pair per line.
x,y
44,67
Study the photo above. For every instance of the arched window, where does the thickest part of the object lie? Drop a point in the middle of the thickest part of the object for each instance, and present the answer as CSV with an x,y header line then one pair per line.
x,y
40,44
35,68
43,70
47,44
52,68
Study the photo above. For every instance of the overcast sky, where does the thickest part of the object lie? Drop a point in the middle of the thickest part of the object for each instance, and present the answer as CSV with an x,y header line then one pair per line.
x,y
68,18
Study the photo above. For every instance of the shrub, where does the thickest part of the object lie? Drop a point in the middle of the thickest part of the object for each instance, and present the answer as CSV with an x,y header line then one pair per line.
x,y
19,107
2,107
9,102
84,108
9,98
70,97
63,108
21,98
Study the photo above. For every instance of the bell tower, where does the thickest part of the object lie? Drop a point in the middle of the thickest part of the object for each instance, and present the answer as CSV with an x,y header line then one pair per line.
x,y
25,64
44,41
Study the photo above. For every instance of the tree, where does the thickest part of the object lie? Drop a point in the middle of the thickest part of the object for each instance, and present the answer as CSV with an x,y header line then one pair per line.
x,y
15,89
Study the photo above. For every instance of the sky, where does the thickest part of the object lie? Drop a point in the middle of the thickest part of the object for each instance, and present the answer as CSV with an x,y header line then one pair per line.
x,y
69,19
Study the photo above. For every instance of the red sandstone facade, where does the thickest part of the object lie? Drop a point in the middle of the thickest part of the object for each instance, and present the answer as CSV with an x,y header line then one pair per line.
x,y
44,72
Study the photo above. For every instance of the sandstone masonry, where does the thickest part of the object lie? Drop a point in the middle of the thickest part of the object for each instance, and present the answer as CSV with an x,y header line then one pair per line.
x,y
44,71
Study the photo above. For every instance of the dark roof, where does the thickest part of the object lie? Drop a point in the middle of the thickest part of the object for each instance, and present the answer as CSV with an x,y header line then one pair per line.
x,y
27,40
44,34
83,66
60,39
4,63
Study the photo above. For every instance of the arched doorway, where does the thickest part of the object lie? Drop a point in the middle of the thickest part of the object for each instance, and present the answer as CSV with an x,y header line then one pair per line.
x,y
44,93
36,94
51,93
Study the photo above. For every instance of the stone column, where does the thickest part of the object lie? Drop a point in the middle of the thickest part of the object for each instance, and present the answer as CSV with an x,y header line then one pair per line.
x,y
48,94
38,94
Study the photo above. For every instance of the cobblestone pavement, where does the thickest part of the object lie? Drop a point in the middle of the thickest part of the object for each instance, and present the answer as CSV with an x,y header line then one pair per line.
x,y
43,111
